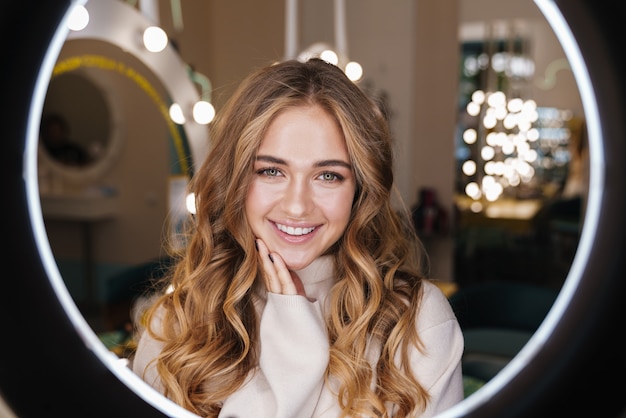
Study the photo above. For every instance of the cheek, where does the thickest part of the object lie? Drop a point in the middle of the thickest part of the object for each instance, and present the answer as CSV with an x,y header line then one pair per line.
x,y
338,208
250,202
257,201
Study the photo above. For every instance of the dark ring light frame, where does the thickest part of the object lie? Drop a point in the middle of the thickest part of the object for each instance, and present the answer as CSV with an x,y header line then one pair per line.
x,y
50,367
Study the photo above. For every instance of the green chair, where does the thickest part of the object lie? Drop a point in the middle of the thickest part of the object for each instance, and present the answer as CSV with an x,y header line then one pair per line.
x,y
497,319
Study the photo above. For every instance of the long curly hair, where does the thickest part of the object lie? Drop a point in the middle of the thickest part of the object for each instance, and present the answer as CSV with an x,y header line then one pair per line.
x,y
208,322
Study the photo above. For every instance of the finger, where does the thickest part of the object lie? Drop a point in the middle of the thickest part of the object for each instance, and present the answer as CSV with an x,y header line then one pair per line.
x,y
287,285
270,277
297,283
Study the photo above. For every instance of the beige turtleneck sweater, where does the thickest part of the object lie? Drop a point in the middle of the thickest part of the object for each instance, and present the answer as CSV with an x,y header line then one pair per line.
x,y
289,381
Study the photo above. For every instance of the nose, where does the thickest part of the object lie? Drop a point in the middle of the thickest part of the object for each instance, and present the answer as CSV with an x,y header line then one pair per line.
x,y
297,199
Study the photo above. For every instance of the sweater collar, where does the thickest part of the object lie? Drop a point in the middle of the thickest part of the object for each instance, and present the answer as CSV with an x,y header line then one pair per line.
x,y
321,269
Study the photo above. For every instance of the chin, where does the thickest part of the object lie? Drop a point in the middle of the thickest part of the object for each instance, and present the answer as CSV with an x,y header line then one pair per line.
x,y
296,264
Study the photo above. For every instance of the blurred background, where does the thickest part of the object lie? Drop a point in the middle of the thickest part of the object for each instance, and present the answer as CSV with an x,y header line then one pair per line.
x,y
487,122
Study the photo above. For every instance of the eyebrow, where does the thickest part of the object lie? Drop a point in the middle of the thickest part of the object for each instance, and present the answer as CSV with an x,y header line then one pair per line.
x,y
323,163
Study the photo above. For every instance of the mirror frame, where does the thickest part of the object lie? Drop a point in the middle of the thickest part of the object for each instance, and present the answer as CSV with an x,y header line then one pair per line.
x,y
567,371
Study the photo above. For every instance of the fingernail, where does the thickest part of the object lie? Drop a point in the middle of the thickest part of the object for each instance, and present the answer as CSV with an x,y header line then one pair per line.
x,y
271,258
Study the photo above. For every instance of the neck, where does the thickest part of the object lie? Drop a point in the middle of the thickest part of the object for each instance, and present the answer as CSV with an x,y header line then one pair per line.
x,y
319,270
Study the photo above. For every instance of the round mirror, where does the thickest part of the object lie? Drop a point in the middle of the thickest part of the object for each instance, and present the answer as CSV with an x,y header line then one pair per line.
x,y
569,371
75,127
80,135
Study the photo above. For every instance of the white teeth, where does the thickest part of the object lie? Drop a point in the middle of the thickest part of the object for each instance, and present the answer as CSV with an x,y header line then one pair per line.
x,y
294,231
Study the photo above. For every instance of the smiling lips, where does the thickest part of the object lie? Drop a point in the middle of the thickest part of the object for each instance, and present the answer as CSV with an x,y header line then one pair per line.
x,y
294,231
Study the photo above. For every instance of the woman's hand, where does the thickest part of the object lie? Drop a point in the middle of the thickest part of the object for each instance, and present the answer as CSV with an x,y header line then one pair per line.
x,y
277,277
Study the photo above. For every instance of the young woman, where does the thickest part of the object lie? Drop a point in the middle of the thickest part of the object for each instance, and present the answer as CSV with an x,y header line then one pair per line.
x,y
299,293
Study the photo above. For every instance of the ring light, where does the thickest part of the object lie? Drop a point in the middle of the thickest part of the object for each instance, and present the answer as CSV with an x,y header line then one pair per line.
x,y
53,364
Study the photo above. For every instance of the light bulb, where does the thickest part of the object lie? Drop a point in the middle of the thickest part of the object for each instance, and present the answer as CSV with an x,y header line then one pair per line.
x,y
476,207
79,18
470,135
330,56
469,168
515,105
176,113
473,108
496,98
478,97
190,203
354,71
203,112
487,153
154,39
473,190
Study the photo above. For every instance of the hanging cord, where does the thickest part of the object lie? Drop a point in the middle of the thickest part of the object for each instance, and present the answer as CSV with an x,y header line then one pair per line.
x,y
203,81
291,29
177,12
177,15
341,39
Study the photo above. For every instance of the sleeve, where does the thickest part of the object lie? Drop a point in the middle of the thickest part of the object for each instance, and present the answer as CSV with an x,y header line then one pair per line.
x,y
438,365
293,361
142,362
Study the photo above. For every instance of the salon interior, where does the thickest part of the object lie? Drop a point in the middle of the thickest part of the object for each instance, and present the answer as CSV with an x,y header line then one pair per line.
x,y
487,122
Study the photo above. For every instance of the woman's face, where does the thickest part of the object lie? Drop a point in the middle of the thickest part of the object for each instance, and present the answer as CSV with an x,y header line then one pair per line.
x,y
302,187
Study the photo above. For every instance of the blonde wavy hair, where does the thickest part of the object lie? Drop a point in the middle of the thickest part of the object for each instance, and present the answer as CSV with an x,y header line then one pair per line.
x,y
208,323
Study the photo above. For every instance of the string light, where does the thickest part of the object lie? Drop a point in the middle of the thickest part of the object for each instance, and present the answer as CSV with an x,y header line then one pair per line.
x,y
508,123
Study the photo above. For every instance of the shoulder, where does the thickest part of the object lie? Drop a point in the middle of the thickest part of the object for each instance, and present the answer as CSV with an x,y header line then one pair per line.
x,y
435,308
148,349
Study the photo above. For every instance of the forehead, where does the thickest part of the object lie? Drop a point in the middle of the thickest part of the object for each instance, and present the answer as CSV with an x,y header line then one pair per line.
x,y
304,130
